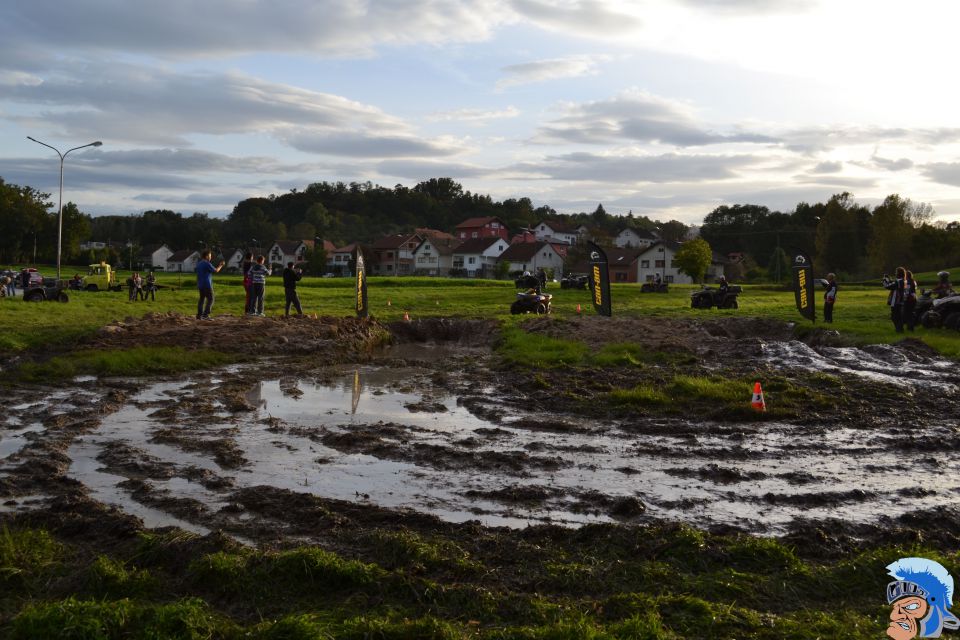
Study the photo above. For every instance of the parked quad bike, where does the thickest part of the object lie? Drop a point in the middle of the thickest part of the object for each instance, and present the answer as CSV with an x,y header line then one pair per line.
x,y
531,302
933,313
571,281
653,287
49,289
709,297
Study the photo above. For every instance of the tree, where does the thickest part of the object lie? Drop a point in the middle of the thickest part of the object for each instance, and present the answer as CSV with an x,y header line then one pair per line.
x,y
890,243
673,230
694,258
838,236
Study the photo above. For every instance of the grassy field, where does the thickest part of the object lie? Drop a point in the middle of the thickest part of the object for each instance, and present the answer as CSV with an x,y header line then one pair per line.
x,y
860,314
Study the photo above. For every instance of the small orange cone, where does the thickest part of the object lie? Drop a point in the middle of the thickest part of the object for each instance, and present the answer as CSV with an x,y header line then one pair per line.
x,y
406,316
578,307
757,402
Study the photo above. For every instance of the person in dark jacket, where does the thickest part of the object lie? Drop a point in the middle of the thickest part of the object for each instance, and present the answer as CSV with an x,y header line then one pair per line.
x,y
829,297
909,301
245,269
151,287
291,277
898,295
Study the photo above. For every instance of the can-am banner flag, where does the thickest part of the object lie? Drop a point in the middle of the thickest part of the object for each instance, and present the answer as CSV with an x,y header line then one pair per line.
x,y
600,281
361,303
803,286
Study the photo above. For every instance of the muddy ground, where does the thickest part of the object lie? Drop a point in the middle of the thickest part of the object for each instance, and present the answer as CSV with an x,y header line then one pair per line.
x,y
330,430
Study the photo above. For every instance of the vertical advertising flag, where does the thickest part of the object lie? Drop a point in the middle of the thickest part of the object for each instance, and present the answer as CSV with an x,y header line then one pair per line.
x,y
600,281
803,286
361,298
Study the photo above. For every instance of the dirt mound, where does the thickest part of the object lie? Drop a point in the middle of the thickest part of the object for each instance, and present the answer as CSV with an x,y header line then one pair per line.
x,y
686,334
245,334
461,331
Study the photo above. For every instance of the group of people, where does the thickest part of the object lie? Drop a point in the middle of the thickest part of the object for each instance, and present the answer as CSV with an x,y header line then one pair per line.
x,y
139,288
902,298
255,272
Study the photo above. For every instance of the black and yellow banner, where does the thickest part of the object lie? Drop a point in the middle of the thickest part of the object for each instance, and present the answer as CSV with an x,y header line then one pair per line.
x,y
600,281
361,302
803,289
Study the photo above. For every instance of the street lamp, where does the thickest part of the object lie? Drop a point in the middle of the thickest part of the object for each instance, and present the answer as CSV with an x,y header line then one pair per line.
x,y
60,208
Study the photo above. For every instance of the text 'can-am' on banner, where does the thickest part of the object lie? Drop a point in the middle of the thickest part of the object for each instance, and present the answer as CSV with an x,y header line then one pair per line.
x,y
600,281
361,297
803,283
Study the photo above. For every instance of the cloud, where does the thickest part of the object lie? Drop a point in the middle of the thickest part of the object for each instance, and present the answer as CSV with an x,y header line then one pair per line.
x,y
636,116
543,70
590,18
669,167
943,172
186,29
826,138
480,116
752,7
365,145
424,169
828,167
891,165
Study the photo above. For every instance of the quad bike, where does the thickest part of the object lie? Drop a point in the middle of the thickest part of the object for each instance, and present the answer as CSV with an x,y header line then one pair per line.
x,y
531,301
571,281
653,287
709,297
48,289
934,313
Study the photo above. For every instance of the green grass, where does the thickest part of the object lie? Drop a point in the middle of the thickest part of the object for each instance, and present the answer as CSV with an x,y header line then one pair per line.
x,y
135,362
861,314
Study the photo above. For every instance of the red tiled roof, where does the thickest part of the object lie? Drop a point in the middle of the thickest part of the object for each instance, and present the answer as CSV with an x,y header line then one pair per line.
x,y
470,223
523,251
395,241
477,245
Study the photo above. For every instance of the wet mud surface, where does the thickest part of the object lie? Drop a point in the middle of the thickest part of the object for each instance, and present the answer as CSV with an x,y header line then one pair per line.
x,y
281,449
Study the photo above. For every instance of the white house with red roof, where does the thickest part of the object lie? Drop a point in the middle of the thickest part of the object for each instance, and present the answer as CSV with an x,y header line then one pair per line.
x,y
530,256
490,227
284,251
556,232
477,257
339,261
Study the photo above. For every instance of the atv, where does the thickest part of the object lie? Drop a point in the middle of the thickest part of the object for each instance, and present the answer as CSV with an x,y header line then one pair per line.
x,y
49,289
654,287
709,297
571,281
531,301
934,313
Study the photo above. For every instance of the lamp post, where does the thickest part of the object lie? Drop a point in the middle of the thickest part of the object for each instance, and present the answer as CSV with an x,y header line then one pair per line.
x,y
60,208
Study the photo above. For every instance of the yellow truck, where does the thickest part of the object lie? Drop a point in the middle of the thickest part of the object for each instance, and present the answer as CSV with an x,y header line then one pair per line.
x,y
101,278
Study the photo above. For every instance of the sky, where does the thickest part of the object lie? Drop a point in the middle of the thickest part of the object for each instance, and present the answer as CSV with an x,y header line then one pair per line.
x,y
666,108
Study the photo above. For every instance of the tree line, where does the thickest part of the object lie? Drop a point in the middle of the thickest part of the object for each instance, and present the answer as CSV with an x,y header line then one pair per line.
x,y
844,236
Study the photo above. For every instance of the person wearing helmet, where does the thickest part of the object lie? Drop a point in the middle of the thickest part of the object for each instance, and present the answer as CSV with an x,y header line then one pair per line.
x,y
830,296
943,288
920,598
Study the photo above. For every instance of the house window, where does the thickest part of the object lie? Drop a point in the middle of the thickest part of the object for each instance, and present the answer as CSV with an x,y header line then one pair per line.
x,y
499,247
644,264
473,235
658,264
389,267
463,234
472,260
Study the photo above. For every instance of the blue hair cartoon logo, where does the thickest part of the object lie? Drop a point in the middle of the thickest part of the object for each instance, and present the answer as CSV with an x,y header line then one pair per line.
x,y
920,599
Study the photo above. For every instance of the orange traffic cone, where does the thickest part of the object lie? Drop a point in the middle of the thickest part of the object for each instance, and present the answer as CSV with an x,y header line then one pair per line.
x,y
578,307
757,402
406,316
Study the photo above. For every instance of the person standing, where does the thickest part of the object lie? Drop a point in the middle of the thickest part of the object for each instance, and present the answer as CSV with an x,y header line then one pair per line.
x,y
205,271
898,295
258,285
151,287
245,269
909,301
12,285
131,288
829,297
291,277
542,277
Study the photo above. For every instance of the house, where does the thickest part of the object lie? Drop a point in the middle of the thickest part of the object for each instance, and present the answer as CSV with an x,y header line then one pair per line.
x,y
524,235
631,238
659,258
284,251
340,261
530,256
393,254
434,256
622,264
234,259
93,245
477,257
155,256
183,261
436,234
556,232
481,228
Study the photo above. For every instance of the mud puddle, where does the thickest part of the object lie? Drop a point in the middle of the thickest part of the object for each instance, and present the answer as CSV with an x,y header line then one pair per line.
x,y
878,363
403,436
